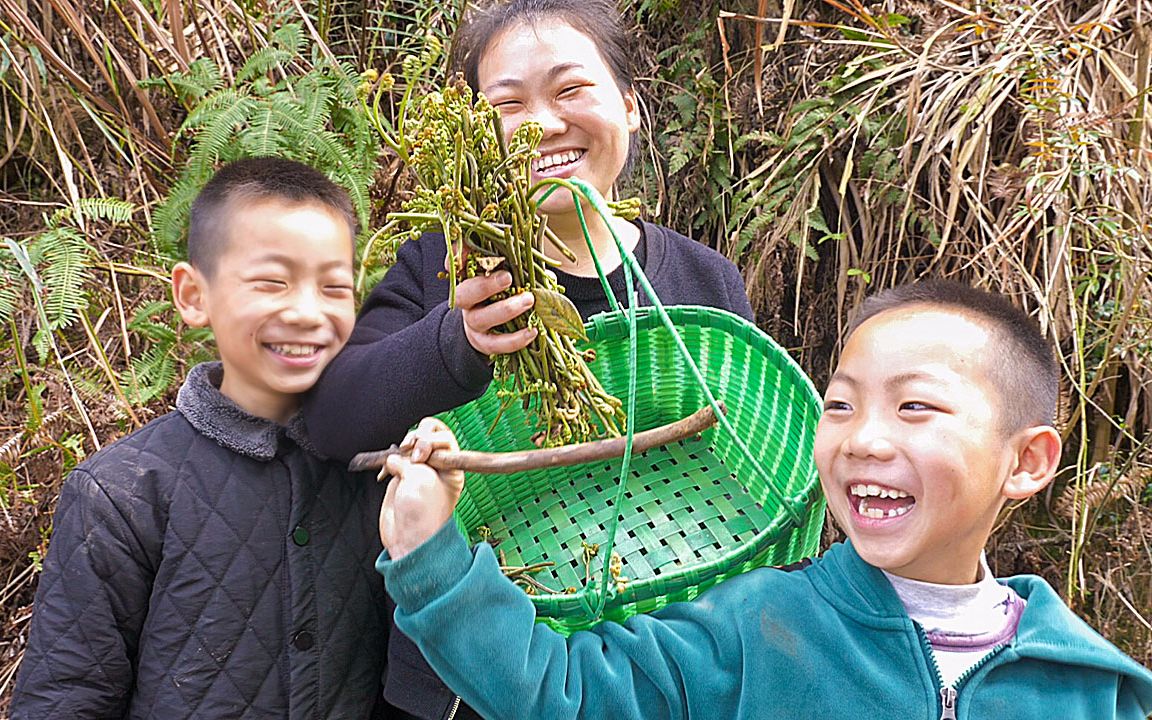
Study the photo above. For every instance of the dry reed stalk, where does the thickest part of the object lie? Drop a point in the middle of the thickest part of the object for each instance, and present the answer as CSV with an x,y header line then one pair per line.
x,y
1020,136
1078,499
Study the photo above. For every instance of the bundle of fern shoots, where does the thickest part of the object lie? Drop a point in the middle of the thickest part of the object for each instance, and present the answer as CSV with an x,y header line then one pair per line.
x,y
477,191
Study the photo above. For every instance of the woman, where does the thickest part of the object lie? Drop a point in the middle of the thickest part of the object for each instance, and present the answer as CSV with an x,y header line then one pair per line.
x,y
565,65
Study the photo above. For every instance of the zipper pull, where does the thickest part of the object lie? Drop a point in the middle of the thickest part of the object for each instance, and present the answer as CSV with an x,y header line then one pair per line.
x,y
947,703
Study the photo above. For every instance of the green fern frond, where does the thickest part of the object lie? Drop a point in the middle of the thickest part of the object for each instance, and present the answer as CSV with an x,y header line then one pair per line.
x,y
144,321
313,116
169,221
753,229
219,130
201,78
10,284
283,46
148,310
262,61
264,134
313,103
346,74
289,36
678,161
204,112
167,344
153,372
155,331
113,210
65,261
55,264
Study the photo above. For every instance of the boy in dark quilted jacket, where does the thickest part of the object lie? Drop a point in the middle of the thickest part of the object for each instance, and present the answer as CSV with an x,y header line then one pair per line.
x,y
212,564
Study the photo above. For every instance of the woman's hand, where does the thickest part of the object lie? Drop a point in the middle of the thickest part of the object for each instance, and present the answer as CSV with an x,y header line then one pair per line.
x,y
419,499
481,318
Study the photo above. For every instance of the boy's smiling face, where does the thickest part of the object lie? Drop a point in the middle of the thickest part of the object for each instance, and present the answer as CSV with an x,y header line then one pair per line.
x,y
279,301
911,448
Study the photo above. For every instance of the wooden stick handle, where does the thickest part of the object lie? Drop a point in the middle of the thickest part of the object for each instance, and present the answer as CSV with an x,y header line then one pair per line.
x,y
511,462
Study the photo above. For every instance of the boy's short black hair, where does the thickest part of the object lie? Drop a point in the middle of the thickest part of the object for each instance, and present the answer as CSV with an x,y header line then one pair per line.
x,y
251,180
1021,363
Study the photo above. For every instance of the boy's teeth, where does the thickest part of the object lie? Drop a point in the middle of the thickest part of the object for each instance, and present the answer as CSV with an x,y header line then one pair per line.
x,y
876,513
550,161
877,491
286,349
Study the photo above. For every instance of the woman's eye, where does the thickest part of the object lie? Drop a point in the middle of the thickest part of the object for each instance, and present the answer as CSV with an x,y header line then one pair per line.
x,y
569,91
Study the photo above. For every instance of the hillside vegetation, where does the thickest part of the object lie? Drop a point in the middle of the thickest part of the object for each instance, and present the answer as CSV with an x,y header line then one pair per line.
x,y
830,148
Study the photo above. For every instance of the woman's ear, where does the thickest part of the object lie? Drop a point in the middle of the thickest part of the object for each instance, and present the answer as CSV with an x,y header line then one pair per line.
x,y
188,292
632,110
1037,460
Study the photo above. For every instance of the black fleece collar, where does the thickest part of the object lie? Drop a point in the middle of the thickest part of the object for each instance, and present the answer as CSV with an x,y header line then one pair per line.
x,y
218,418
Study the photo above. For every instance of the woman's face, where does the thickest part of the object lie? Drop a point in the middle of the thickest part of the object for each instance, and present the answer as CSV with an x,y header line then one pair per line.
x,y
554,74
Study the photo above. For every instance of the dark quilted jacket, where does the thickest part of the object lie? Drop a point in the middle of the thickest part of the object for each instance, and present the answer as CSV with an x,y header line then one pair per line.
x,y
209,565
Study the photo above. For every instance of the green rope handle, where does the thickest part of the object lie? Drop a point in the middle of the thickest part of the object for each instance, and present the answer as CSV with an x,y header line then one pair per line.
x,y
633,271
556,185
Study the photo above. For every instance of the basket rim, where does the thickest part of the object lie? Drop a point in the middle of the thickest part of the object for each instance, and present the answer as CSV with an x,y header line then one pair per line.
x,y
606,322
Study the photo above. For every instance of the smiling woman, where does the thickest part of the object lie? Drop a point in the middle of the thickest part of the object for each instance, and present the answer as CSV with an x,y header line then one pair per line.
x,y
555,76
565,65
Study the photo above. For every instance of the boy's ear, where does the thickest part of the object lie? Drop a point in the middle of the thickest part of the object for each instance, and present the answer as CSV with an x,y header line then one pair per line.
x,y
1037,460
188,292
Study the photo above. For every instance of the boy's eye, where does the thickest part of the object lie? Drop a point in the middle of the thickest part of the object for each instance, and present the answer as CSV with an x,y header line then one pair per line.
x,y
836,405
338,289
269,284
916,406
506,105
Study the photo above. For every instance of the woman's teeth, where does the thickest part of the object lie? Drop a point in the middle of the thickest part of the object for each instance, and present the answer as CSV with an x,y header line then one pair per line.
x,y
547,162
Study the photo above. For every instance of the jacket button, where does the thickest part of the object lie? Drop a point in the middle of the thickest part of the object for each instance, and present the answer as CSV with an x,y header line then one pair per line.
x,y
300,535
303,640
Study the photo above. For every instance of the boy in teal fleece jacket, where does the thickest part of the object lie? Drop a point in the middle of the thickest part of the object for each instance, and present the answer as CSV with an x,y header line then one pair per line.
x,y
940,411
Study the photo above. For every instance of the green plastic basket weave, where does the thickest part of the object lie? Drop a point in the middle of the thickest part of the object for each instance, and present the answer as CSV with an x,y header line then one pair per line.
x,y
695,512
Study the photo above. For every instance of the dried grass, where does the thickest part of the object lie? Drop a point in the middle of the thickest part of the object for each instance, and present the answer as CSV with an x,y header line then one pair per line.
x,y
1009,147
1022,163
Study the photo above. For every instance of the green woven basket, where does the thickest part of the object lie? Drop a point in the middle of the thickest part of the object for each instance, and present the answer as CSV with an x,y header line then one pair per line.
x,y
695,512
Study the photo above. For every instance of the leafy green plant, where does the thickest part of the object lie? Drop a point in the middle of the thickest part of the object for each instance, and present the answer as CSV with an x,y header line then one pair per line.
x,y
274,107
55,266
169,345
697,140
388,32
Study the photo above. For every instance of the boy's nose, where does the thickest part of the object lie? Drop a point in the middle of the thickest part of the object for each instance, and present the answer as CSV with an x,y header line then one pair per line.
x,y
869,438
305,308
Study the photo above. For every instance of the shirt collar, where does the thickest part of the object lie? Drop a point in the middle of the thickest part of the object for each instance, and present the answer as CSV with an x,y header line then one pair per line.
x,y
218,418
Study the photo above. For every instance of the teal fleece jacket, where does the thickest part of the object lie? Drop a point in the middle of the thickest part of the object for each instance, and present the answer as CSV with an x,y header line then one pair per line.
x,y
829,641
